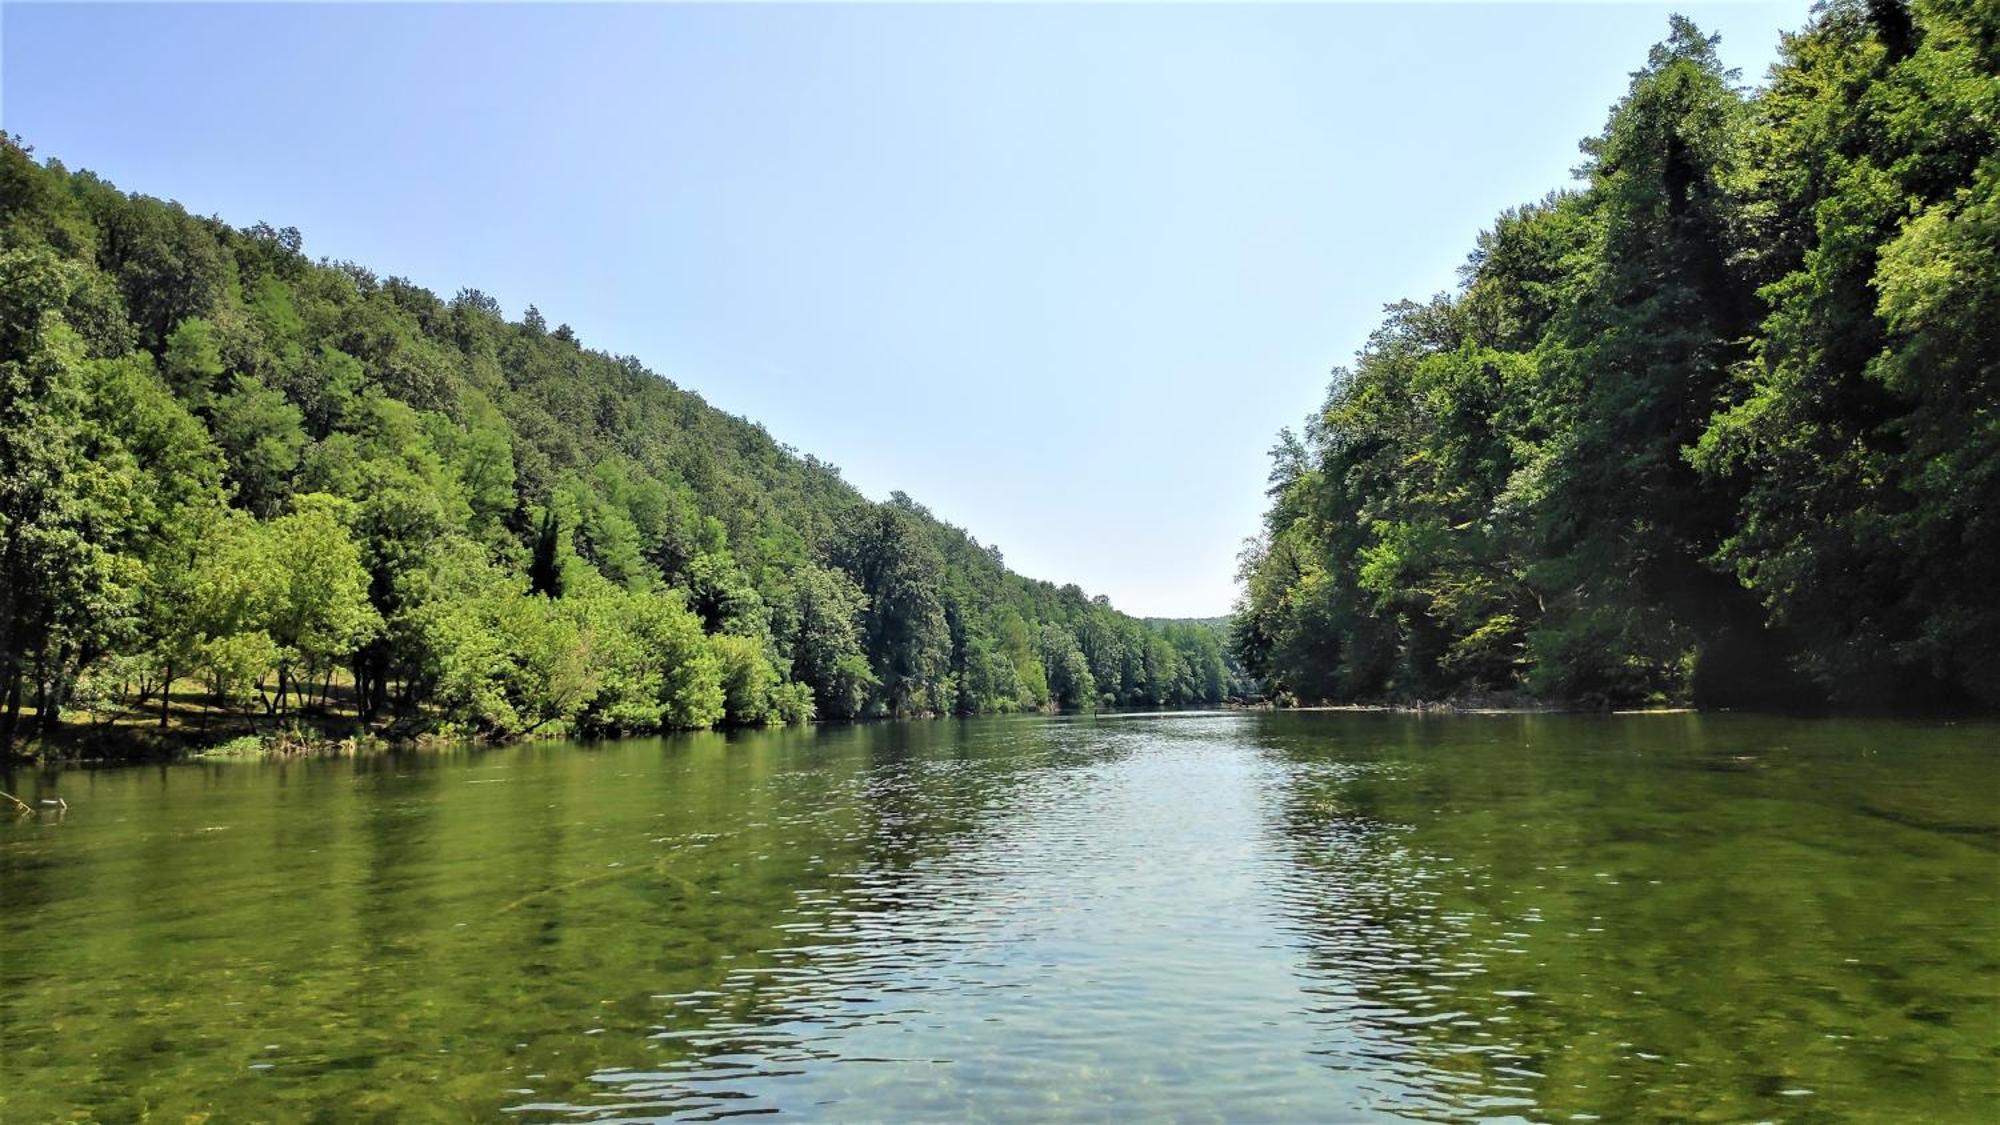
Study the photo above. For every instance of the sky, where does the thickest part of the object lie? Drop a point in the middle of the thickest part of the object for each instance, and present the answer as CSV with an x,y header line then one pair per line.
x,y
1059,273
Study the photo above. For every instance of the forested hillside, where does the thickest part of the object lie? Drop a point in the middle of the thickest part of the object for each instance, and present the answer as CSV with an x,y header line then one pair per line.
x,y
293,486
1721,424
1196,635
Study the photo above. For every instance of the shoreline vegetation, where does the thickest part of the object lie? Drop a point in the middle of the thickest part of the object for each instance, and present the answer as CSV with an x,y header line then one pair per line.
x,y
197,733
203,729
308,489
1720,426
200,727
190,723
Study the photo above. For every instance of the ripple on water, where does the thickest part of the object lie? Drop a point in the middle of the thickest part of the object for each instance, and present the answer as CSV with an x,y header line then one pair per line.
x,y
1223,918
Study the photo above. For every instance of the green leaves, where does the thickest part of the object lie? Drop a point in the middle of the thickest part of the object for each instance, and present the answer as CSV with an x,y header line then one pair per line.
x,y
262,436
1731,406
220,460
821,624
904,631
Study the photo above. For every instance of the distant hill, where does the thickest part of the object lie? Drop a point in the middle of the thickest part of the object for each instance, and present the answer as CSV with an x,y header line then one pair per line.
x,y
229,468
1240,684
1220,624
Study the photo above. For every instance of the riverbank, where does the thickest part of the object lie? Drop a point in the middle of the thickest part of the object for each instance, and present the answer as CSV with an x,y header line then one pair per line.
x,y
194,724
1462,703
197,729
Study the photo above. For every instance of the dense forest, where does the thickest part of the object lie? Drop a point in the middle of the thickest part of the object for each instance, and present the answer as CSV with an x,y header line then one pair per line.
x,y
291,489
1721,424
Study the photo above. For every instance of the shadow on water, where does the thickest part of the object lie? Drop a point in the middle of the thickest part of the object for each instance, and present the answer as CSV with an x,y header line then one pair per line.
x,y
1656,917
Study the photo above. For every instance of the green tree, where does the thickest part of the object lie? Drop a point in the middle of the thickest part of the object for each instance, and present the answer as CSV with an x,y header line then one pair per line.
x,y
1865,429
262,437
748,680
1631,371
903,627
321,613
233,586
171,516
65,586
1070,684
821,623
193,362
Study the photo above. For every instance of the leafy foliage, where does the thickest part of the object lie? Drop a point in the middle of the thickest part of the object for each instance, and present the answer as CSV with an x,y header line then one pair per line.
x,y
302,485
1719,425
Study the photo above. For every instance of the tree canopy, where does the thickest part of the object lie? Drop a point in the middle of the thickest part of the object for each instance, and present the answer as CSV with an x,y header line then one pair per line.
x,y
1721,424
298,485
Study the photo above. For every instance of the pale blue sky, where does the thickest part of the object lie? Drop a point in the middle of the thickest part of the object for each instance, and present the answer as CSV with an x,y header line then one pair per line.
x,y
1059,273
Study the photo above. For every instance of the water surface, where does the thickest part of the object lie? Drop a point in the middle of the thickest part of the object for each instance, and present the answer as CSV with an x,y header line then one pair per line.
x,y
1197,917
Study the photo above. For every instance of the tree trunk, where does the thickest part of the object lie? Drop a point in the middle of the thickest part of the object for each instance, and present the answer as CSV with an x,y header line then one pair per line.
x,y
45,705
365,703
166,694
10,719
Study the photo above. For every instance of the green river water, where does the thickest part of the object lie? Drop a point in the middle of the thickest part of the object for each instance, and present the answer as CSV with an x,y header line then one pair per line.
x,y
1224,917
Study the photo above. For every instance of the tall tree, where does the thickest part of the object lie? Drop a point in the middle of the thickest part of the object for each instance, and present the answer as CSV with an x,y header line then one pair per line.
x,y
904,630
64,498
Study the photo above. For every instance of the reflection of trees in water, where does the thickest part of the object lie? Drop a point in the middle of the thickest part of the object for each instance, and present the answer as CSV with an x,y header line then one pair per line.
x,y
894,883
1391,970
1557,916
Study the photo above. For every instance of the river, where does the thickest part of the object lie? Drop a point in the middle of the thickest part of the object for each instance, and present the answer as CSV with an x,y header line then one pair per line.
x,y
1241,916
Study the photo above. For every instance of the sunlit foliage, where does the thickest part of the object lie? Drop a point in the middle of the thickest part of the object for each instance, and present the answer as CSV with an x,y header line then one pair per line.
x,y
1720,424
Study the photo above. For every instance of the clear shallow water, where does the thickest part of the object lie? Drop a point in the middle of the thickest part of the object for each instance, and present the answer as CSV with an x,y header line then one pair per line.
x,y
1197,917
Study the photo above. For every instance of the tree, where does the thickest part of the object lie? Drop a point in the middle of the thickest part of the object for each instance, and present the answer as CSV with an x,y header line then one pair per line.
x,y
168,266
491,657
193,362
821,624
262,437
903,626
65,587
748,680
321,611
651,667
232,586
1070,684
1718,419
172,514
1865,430
1631,371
